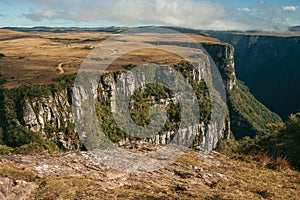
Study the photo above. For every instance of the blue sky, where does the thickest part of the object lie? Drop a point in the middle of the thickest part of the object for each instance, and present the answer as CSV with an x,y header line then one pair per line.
x,y
269,15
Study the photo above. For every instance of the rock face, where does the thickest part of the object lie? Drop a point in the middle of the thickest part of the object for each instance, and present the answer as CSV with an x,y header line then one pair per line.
x,y
223,56
51,114
51,110
205,135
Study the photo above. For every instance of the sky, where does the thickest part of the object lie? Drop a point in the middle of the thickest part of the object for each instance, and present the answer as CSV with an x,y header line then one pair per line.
x,y
267,15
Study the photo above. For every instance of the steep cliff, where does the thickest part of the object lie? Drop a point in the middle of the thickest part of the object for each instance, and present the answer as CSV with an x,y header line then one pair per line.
x,y
267,63
248,116
205,134
46,110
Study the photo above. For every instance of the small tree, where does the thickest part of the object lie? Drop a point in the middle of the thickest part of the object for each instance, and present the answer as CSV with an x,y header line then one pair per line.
x,y
289,140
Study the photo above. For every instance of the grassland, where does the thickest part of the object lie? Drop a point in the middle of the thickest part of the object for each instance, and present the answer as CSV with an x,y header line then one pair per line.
x,y
37,58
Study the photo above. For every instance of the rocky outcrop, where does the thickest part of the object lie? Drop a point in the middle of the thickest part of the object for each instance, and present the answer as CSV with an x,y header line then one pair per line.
x,y
53,110
79,175
52,116
223,56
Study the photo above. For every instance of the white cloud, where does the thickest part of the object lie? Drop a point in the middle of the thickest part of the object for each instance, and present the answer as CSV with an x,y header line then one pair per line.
x,y
199,14
38,14
244,9
187,13
289,8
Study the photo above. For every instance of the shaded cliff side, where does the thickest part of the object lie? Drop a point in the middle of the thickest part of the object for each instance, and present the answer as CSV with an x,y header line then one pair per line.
x,y
268,64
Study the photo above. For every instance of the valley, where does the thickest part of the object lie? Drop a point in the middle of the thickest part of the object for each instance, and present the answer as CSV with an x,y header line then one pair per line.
x,y
268,64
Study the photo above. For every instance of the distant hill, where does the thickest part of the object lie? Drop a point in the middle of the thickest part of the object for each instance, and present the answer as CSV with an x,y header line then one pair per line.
x,y
111,29
294,28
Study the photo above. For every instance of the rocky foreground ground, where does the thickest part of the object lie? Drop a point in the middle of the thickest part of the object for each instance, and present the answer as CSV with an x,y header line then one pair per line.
x,y
78,175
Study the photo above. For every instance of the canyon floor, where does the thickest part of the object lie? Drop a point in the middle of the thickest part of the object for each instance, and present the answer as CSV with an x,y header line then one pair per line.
x,y
78,175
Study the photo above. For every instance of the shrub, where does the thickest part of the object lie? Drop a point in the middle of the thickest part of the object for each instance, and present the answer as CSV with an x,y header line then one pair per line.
x,y
5,149
2,55
2,80
19,135
34,147
226,145
288,140
282,144
129,66
86,48
279,164
25,141
30,148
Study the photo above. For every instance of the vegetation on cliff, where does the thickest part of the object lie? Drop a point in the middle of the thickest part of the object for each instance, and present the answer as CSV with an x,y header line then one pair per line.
x,y
248,116
152,94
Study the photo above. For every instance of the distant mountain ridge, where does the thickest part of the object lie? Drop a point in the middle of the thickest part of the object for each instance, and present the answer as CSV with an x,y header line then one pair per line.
x,y
111,29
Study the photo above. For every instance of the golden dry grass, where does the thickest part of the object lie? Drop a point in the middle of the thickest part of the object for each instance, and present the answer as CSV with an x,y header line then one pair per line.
x,y
204,39
37,58
14,172
144,56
